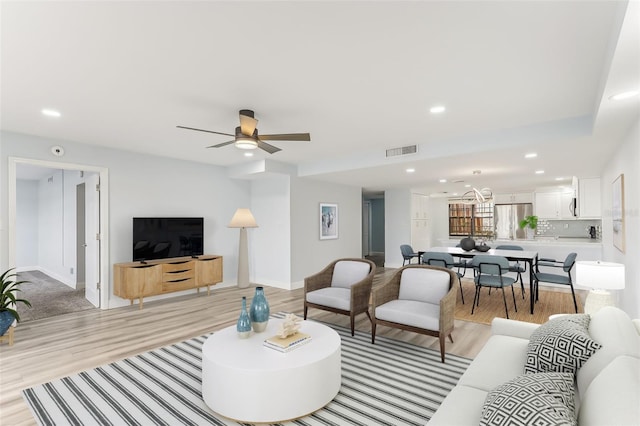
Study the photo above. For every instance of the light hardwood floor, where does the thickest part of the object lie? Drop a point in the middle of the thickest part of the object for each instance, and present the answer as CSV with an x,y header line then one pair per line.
x,y
51,348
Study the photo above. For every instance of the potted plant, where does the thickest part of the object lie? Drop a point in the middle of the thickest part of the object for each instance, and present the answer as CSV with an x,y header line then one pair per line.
x,y
529,224
9,288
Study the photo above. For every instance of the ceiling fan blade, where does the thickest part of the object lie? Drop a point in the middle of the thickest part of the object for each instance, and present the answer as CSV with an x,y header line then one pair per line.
x,y
287,137
202,130
266,147
221,144
247,123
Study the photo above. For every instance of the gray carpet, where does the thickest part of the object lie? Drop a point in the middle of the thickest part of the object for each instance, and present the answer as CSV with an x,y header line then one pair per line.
x,y
389,383
48,297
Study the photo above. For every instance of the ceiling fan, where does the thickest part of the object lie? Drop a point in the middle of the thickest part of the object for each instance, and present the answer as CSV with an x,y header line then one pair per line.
x,y
247,136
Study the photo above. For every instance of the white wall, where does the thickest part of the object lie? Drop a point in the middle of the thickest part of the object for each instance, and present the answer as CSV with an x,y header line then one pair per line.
x,y
141,185
309,254
626,161
397,213
270,243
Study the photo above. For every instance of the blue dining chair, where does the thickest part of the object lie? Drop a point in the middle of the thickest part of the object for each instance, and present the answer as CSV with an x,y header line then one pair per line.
x,y
408,253
446,261
516,267
491,270
563,279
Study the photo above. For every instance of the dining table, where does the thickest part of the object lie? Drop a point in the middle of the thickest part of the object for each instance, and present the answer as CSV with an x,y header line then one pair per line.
x,y
528,256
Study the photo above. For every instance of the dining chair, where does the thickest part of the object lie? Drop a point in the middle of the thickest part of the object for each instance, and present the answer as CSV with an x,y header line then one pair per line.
x,y
408,253
446,261
491,270
516,267
563,279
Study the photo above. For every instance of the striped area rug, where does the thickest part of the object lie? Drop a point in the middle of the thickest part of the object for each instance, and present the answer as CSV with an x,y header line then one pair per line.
x,y
389,383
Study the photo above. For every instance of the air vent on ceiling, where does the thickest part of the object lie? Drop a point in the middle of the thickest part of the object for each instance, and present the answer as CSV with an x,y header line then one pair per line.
x,y
403,150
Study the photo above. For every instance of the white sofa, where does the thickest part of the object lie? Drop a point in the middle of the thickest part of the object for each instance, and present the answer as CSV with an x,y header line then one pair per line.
x,y
607,386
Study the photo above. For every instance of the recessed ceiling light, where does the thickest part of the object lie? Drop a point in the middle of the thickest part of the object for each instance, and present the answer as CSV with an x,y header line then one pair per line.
x,y
467,186
442,181
539,172
410,170
624,95
560,178
51,113
437,109
531,155
248,154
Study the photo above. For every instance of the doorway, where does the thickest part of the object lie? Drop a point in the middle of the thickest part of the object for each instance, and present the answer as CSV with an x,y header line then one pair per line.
x,y
73,266
373,240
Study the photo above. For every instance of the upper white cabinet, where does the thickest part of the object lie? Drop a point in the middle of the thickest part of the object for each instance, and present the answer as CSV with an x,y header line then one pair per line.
x,y
589,199
514,198
547,205
419,206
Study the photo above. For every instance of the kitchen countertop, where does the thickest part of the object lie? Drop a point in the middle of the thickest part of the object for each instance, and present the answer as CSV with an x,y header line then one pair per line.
x,y
573,241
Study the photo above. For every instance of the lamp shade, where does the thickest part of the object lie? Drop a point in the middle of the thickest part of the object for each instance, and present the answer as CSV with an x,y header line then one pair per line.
x,y
600,275
243,219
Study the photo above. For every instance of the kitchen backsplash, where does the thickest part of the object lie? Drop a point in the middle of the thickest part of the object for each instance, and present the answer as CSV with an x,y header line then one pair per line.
x,y
568,228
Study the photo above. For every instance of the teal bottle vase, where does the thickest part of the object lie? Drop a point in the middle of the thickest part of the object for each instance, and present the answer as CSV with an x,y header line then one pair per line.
x,y
259,311
244,322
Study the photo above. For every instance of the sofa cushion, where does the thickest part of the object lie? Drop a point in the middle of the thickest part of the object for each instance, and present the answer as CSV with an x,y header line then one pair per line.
x,y
348,272
531,399
614,330
500,359
612,397
410,312
334,297
560,345
461,407
424,285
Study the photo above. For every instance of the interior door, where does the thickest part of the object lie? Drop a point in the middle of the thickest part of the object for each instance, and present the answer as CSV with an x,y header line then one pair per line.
x,y
92,239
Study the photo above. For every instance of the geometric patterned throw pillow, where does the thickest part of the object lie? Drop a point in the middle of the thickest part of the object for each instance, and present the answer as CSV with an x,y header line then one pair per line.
x,y
562,344
541,399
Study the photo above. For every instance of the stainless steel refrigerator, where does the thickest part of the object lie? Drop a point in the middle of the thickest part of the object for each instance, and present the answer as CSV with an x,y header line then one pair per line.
x,y
507,217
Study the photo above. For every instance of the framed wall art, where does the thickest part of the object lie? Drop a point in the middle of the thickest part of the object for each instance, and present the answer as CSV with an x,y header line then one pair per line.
x,y
617,212
328,221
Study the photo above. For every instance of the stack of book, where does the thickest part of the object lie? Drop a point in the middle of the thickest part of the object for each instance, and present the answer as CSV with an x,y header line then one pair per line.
x,y
287,344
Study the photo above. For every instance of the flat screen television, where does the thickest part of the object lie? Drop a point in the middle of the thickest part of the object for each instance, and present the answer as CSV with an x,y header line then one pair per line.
x,y
164,237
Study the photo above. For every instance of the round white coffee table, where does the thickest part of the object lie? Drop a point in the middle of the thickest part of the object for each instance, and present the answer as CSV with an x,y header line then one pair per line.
x,y
247,382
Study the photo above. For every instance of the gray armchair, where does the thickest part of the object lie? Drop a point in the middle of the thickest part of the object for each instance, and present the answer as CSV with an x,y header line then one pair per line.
x,y
417,298
343,287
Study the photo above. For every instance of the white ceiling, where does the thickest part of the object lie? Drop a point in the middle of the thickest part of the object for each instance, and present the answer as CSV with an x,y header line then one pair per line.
x,y
360,76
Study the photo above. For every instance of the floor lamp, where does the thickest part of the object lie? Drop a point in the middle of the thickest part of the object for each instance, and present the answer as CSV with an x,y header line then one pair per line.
x,y
600,277
243,219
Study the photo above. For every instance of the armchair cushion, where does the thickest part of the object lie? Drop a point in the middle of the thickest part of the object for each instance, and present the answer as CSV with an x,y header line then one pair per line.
x,y
348,272
409,312
423,285
333,297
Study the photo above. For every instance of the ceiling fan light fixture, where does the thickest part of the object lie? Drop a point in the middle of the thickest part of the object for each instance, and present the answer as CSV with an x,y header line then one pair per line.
x,y
246,143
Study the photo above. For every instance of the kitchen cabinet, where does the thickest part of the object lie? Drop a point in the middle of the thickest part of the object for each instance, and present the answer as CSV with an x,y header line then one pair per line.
x,y
419,205
547,205
419,222
513,198
589,198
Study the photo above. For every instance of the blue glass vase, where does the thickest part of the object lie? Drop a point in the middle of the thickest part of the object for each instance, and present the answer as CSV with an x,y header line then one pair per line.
x,y
259,311
244,322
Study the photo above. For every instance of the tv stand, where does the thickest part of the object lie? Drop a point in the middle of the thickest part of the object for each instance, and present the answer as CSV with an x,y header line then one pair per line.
x,y
137,280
